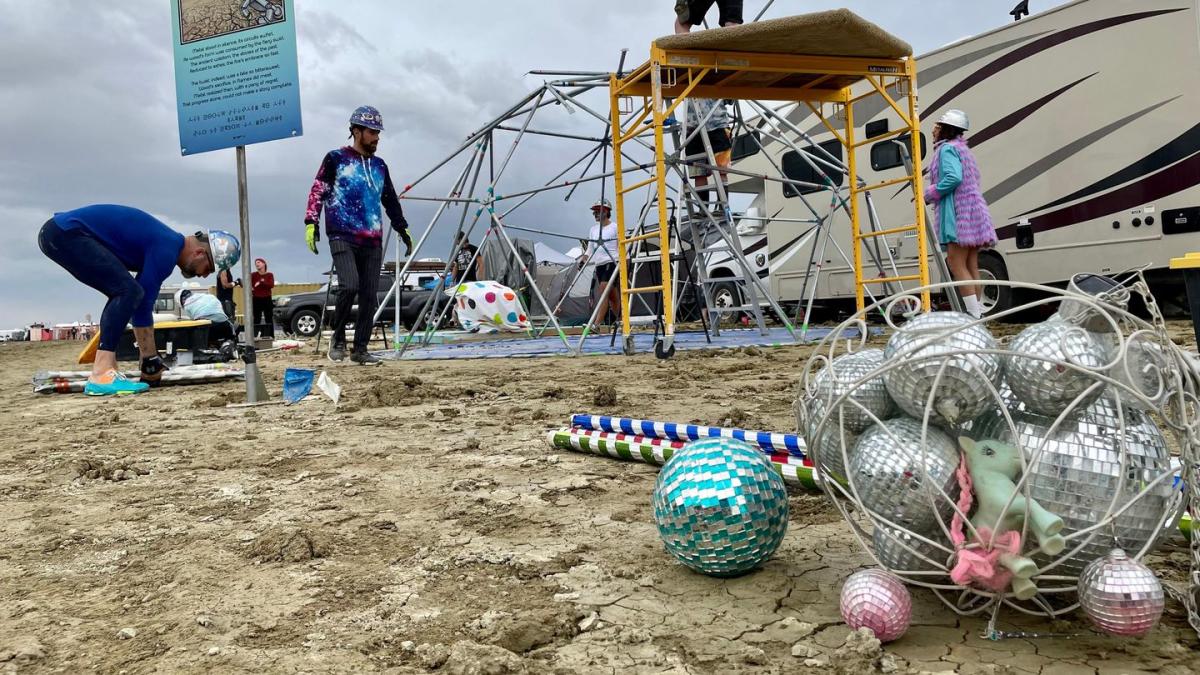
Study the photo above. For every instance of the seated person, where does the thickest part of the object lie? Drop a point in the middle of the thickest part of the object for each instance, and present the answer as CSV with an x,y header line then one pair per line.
x,y
202,306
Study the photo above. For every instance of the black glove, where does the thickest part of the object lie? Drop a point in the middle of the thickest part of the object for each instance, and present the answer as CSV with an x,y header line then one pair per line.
x,y
152,370
407,239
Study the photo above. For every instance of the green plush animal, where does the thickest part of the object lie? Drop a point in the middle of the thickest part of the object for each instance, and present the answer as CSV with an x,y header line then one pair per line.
x,y
994,467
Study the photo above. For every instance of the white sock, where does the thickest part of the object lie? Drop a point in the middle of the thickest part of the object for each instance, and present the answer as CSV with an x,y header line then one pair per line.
x,y
972,305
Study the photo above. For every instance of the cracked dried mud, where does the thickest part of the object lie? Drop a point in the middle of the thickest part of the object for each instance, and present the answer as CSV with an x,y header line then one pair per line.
x,y
424,525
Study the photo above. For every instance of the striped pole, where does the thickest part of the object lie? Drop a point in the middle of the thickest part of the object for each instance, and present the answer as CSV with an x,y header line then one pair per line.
x,y
656,451
769,442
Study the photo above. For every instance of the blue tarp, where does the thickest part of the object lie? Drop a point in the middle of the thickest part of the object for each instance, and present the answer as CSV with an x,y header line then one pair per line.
x,y
524,347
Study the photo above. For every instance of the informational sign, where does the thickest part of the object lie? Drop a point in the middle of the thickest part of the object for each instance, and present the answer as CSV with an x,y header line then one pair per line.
x,y
236,77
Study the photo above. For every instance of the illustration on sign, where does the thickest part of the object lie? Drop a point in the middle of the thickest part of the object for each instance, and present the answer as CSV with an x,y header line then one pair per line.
x,y
236,76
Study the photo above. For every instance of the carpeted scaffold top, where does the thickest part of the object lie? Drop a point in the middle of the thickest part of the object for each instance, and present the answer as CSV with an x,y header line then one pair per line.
x,y
836,32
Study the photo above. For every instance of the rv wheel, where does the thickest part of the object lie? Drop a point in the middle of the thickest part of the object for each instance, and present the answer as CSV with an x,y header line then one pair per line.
x,y
726,294
995,299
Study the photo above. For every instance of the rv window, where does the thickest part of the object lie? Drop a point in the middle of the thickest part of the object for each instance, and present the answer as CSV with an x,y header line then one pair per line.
x,y
796,168
876,128
886,154
745,145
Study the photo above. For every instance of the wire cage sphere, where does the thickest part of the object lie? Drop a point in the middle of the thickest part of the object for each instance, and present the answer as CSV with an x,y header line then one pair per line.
x,y
1063,433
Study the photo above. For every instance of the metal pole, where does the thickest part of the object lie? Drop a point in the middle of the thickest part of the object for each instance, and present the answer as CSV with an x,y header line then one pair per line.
x,y
255,389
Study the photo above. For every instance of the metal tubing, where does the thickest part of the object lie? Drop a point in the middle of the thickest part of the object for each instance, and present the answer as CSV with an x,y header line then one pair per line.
x,y
255,389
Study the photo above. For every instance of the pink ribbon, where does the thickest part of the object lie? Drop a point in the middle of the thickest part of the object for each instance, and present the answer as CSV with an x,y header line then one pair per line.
x,y
979,567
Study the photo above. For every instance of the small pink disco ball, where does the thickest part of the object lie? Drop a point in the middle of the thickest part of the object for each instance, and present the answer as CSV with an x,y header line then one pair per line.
x,y
1121,596
878,601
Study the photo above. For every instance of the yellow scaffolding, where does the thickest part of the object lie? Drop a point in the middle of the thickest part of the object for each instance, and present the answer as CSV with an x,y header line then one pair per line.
x,y
817,81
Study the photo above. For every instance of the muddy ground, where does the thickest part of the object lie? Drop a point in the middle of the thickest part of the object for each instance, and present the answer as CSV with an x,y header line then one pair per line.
x,y
425,525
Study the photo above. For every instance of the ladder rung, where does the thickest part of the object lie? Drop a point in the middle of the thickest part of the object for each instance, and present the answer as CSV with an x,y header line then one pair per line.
x,y
643,289
640,237
882,184
640,184
881,233
888,280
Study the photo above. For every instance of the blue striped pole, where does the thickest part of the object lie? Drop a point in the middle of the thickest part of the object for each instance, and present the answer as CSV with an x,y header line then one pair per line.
x,y
767,441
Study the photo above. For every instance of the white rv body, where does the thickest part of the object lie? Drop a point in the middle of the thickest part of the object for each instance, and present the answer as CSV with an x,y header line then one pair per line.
x,y
1084,124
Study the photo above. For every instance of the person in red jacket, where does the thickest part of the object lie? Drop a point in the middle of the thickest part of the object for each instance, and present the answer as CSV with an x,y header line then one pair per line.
x,y
262,282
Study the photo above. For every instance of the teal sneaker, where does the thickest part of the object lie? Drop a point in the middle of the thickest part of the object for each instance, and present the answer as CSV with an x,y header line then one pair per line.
x,y
113,383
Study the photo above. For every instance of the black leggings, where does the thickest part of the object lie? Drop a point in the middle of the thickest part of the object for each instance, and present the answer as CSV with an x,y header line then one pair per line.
x,y
263,315
91,262
357,270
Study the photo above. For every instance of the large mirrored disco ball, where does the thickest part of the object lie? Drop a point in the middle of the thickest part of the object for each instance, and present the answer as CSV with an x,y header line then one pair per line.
x,y
890,467
1121,596
825,450
720,507
899,552
877,601
1079,477
963,391
842,376
1048,387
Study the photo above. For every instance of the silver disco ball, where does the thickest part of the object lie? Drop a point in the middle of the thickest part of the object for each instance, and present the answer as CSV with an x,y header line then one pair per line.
x,y
1121,596
826,451
1079,476
1048,387
963,391
842,376
899,552
889,468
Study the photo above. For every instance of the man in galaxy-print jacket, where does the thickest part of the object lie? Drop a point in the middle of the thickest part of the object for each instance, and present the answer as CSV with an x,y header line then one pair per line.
x,y
354,188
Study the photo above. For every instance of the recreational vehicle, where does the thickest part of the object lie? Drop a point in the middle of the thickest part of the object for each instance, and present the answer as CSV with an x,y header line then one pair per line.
x,y
1084,121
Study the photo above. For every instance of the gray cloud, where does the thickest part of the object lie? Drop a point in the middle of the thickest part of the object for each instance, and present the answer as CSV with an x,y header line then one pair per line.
x,y
89,113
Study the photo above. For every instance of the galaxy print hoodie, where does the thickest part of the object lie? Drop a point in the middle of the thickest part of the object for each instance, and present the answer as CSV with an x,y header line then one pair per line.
x,y
354,190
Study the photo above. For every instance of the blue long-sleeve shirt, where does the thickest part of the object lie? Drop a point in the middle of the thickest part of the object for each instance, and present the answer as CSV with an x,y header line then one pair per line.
x,y
142,242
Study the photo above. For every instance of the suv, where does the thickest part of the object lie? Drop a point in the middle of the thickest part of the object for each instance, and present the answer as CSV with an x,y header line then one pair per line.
x,y
300,313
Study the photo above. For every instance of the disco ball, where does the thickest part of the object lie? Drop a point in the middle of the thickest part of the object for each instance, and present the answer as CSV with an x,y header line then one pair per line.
x,y
842,376
889,469
720,507
899,552
1048,387
923,346
877,601
1079,477
1121,596
826,451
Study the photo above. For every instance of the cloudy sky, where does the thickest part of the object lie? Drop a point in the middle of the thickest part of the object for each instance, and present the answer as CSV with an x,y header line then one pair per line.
x,y
89,115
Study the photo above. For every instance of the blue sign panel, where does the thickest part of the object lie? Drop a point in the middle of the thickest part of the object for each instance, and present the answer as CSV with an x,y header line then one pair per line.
x,y
236,78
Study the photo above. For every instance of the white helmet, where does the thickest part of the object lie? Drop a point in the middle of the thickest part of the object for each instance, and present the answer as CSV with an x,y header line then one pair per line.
x,y
955,118
602,204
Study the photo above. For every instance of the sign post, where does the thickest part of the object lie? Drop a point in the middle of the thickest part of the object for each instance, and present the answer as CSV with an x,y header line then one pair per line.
x,y
237,83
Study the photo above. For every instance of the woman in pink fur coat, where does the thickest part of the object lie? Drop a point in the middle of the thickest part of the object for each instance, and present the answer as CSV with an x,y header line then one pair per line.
x,y
961,216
